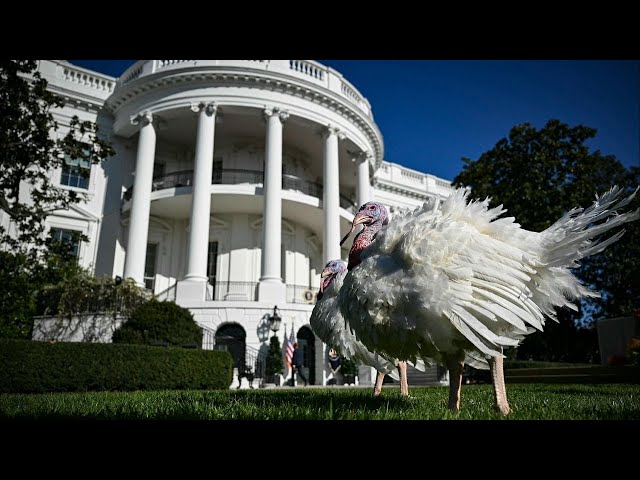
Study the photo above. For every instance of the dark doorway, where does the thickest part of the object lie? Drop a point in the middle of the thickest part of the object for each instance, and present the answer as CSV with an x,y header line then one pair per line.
x,y
307,342
232,338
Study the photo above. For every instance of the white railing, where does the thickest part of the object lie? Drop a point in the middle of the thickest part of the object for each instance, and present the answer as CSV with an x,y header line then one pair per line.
x,y
348,92
83,78
416,180
411,176
307,70
168,63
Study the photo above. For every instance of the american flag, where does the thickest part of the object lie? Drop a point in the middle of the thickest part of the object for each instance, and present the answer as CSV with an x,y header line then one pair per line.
x,y
289,354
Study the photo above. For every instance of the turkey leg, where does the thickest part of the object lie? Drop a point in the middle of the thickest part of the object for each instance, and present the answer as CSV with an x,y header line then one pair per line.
x,y
499,388
455,383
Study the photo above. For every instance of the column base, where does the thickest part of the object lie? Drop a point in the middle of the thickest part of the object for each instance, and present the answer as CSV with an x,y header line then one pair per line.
x,y
191,290
272,291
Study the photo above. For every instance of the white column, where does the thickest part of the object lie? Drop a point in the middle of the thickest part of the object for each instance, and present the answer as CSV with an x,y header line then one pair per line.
x,y
201,201
331,196
195,280
363,187
271,286
141,200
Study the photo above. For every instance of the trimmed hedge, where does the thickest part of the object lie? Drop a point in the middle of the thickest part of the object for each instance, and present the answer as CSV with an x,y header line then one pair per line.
x,y
37,367
159,322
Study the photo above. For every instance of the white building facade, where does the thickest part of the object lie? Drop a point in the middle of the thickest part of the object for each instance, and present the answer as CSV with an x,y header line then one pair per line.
x,y
232,184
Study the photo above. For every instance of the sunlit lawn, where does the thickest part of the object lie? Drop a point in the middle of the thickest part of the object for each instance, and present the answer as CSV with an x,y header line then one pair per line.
x,y
532,401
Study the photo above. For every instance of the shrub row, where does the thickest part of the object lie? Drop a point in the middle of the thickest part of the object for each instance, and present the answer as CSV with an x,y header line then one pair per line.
x,y
159,322
36,367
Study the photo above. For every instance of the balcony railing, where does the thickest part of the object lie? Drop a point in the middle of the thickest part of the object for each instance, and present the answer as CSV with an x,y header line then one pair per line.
x,y
307,70
242,291
229,176
184,178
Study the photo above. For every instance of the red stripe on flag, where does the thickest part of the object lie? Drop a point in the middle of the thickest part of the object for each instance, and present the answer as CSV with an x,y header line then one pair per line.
x,y
290,343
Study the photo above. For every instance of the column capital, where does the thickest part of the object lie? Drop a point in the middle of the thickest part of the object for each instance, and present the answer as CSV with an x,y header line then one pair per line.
x,y
283,115
209,108
332,130
361,156
143,118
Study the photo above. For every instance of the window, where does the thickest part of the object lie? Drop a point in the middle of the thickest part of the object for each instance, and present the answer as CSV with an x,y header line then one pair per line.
x,y
158,170
216,175
67,236
212,263
76,171
150,266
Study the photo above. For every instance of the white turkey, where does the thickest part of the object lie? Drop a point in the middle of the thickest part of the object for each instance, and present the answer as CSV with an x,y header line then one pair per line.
x,y
329,325
455,283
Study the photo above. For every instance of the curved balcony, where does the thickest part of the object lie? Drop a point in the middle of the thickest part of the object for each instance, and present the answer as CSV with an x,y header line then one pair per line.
x,y
306,70
184,178
313,94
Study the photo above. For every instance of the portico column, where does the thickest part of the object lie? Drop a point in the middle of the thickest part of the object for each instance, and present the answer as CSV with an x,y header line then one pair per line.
x,y
141,199
271,286
331,195
201,203
195,280
363,187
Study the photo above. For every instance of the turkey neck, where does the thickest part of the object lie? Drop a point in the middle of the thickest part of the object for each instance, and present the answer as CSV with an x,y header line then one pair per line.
x,y
362,241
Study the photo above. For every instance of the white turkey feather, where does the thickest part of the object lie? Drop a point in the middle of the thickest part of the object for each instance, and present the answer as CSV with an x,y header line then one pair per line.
x,y
454,281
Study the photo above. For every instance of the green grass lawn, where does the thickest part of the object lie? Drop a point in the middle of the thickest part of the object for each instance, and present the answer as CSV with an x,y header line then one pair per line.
x,y
530,402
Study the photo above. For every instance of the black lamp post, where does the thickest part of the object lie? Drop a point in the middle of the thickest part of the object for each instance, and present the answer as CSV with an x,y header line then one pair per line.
x,y
274,320
274,325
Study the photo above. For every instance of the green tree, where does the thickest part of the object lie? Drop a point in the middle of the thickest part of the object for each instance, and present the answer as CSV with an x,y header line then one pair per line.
x,y
274,364
538,175
17,301
29,151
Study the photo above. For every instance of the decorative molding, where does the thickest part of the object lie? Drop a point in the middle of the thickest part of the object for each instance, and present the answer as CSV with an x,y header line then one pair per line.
x,y
209,108
251,80
80,214
287,228
331,130
217,223
144,118
270,111
160,224
361,156
284,116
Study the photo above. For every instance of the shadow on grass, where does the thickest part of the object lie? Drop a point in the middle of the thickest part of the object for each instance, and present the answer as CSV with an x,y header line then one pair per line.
x,y
602,390
322,399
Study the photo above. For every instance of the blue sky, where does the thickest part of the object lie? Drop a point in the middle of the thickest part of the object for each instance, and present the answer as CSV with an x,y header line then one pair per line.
x,y
433,112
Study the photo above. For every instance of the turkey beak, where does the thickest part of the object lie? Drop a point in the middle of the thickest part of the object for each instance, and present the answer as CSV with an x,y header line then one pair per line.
x,y
361,217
